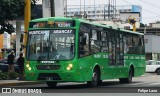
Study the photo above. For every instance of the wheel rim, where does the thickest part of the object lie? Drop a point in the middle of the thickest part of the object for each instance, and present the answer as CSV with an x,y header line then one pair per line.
x,y
94,76
130,76
158,72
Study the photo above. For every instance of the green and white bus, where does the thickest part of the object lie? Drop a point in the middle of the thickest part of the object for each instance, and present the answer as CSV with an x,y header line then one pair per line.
x,y
63,49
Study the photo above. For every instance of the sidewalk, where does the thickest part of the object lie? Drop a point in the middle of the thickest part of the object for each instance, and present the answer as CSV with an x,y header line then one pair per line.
x,y
16,82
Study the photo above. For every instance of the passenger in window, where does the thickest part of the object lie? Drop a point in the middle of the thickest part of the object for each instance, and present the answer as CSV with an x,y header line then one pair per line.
x,y
52,47
31,49
71,50
81,50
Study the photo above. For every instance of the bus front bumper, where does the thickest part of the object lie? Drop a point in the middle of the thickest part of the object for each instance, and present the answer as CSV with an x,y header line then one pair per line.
x,y
60,76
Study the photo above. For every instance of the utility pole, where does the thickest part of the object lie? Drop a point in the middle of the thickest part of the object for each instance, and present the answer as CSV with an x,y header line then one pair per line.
x,y
115,8
84,7
94,10
27,18
104,13
66,8
52,8
80,7
108,9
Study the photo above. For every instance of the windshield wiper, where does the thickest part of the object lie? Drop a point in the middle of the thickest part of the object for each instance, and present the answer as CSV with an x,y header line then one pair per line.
x,y
56,57
40,57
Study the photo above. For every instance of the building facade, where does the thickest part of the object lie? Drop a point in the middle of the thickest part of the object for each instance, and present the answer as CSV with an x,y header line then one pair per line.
x,y
151,39
101,12
59,7
5,44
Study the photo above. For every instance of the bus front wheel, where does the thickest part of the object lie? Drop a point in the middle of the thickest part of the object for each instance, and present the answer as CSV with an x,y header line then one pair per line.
x,y
51,84
158,71
95,78
129,79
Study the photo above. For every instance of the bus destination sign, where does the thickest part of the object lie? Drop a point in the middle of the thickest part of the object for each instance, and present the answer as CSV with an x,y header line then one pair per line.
x,y
52,24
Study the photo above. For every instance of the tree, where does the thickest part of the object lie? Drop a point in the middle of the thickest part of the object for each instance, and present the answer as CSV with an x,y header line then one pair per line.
x,y
11,10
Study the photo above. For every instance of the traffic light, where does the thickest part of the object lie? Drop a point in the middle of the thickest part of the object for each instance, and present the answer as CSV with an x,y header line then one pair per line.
x,y
131,21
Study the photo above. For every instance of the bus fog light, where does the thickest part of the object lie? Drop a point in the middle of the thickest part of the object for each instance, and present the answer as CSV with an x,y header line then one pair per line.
x,y
68,68
29,68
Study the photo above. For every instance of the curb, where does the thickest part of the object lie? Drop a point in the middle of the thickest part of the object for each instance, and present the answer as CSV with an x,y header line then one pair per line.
x,y
21,83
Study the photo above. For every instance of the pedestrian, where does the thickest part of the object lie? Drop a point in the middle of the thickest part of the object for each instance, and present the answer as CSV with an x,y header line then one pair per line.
x,y
10,61
20,62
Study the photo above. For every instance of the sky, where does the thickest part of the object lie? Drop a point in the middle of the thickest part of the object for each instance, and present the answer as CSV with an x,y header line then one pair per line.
x,y
150,8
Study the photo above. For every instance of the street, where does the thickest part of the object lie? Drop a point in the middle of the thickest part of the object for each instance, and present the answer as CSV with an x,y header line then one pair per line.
x,y
148,81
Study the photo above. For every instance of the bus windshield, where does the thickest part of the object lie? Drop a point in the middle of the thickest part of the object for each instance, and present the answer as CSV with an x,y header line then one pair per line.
x,y
51,45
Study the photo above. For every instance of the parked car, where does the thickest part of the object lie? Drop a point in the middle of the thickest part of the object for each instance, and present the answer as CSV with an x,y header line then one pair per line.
x,y
153,66
4,66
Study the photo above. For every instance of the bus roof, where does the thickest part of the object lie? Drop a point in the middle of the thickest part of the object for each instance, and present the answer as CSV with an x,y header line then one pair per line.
x,y
107,26
51,18
85,21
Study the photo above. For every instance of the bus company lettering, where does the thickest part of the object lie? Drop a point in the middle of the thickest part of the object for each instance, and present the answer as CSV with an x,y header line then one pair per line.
x,y
37,32
137,57
62,31
47,62
100,56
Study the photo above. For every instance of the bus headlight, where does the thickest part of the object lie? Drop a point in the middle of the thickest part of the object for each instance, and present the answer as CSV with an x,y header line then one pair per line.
x,y
27,65
29,68
69,67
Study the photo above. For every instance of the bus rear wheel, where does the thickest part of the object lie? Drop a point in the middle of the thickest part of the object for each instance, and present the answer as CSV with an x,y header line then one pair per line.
x,y
95,78
51,84
129,79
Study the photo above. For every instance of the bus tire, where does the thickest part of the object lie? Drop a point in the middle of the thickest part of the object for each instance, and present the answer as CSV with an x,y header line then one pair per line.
x,y
129,79
51,84
95,78
158,71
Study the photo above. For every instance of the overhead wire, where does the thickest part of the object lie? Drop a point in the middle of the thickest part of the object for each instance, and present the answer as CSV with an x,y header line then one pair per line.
x,y
146,18
142,8
151,4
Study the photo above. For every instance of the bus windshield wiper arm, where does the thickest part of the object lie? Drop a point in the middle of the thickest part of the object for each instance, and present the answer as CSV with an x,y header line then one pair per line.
x,y
40,57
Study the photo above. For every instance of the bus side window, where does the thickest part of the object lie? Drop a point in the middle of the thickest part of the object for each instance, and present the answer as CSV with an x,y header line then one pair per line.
x,y
84,44
95,41
104,41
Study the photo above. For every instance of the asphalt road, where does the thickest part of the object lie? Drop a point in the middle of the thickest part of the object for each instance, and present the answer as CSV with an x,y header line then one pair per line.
x,y
149,82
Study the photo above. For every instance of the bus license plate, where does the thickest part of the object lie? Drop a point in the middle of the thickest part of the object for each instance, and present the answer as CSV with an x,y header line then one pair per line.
x,y
49,78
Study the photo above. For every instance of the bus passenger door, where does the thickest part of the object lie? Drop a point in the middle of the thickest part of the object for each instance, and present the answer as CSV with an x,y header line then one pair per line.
x,y
112,54
119,53
116,53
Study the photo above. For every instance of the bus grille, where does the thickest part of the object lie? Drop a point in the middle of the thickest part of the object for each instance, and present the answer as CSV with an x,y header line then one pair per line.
x,y
48,67
49,76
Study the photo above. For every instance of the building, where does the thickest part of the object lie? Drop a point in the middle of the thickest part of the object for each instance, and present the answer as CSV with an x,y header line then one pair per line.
x,y
152,38
101,12
59,7
7,44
